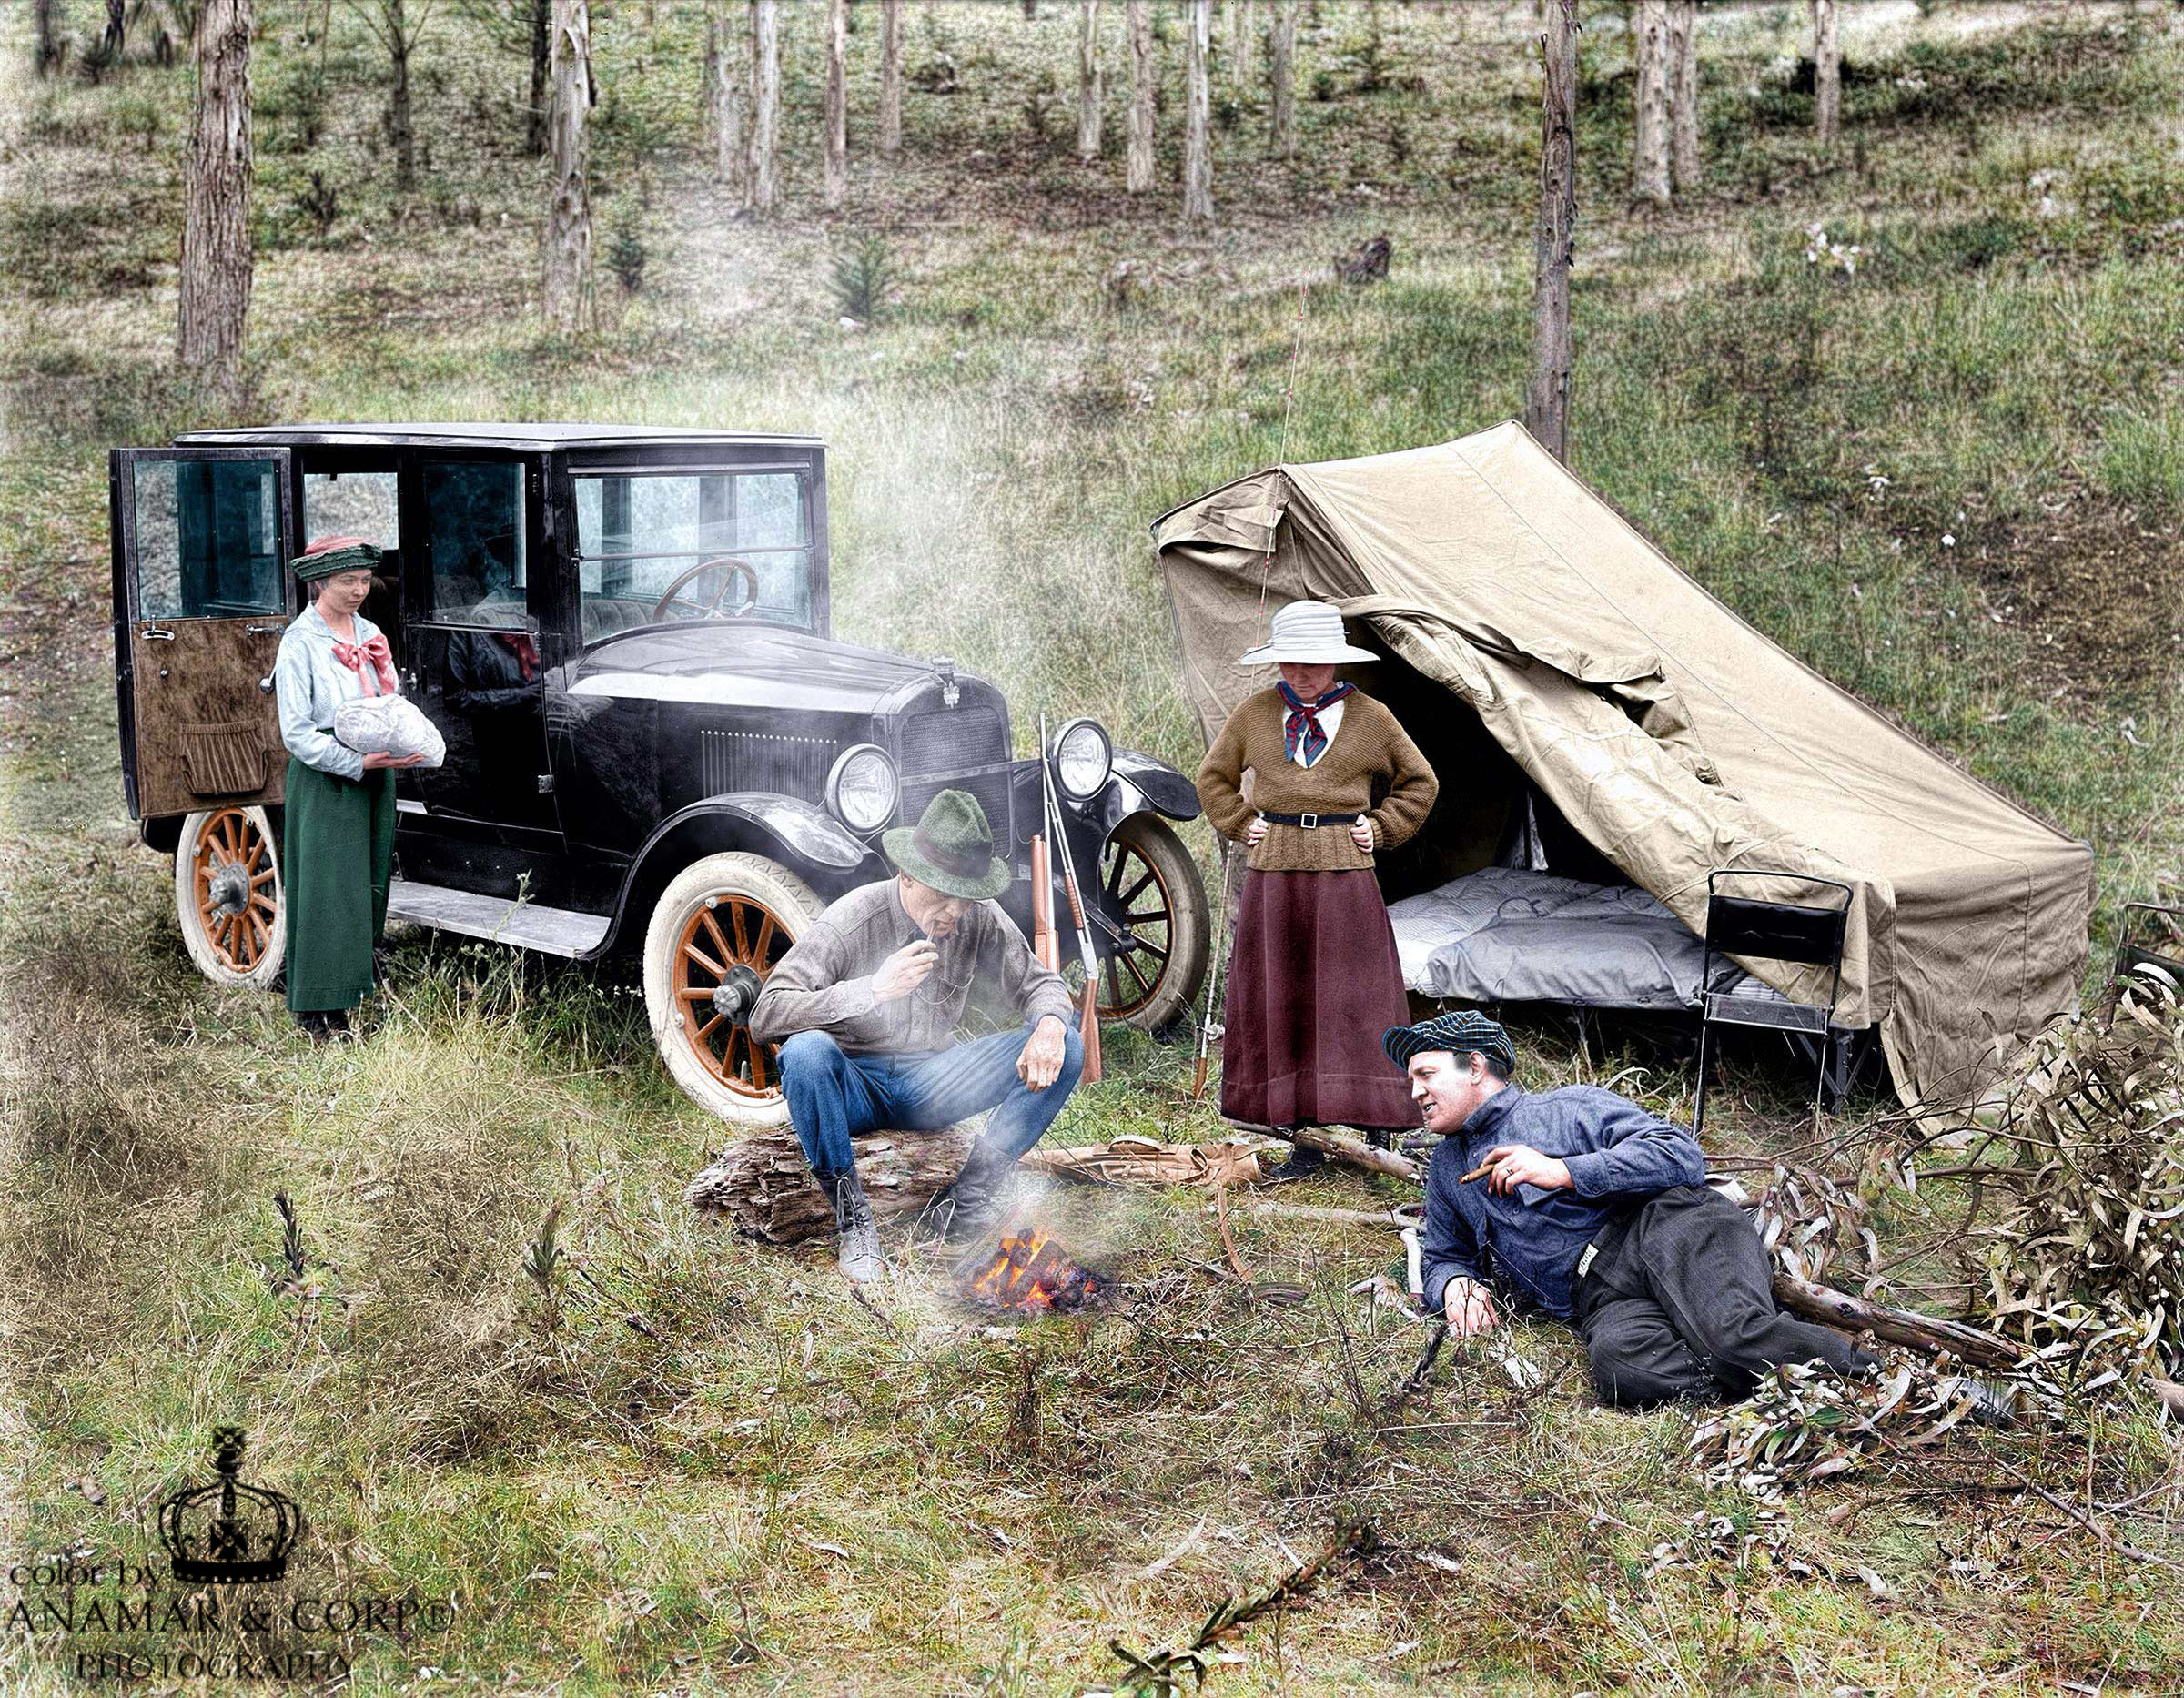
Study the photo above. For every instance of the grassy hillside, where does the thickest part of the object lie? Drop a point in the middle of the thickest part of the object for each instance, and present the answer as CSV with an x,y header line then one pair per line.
x,y
1949,473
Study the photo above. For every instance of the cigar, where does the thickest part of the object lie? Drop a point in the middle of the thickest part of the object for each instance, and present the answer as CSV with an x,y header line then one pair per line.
x,y
1480,1172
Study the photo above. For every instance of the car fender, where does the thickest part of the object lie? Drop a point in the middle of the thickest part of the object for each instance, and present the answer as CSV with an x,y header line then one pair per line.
x,y
804,838
1138,782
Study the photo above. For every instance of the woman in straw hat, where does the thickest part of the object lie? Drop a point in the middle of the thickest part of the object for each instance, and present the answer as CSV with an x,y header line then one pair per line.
x,y
337,847
1314,978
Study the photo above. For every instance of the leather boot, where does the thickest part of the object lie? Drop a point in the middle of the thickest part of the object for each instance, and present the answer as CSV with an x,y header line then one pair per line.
x,y
857,1235
974,1200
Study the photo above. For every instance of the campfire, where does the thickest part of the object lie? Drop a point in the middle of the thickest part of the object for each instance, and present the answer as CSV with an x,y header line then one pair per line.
x,y
1029,1273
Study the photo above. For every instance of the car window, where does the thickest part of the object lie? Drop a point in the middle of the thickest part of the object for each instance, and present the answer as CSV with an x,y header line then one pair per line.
x,y
352,504
638,532
208,543
474,545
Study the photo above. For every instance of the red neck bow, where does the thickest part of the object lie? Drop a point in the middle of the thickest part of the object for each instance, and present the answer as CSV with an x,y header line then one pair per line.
x,y
354,654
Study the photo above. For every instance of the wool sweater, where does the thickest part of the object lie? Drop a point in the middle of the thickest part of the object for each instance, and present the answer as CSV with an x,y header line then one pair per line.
x,y
1370,746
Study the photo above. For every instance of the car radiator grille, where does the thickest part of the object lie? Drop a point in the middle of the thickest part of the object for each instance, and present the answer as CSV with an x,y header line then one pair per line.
x,y
937,747
749,760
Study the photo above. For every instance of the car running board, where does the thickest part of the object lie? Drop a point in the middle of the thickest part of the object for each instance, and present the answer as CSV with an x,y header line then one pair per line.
x,y
523,925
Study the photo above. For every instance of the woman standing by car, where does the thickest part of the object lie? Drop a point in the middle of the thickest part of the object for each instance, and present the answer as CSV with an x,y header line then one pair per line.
x,y
1315,978
338,842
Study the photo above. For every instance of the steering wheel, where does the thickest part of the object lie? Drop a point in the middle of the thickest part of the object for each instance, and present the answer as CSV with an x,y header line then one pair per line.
x,y
730,565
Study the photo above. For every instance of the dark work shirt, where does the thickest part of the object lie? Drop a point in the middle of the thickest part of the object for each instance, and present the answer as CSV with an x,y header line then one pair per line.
x,y
1528,1242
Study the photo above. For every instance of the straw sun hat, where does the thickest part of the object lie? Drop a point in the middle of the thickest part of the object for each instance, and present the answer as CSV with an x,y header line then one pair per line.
x,y
1305,633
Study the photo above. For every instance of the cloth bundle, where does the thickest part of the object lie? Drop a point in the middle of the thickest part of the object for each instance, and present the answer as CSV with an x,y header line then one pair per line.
x,y
388,725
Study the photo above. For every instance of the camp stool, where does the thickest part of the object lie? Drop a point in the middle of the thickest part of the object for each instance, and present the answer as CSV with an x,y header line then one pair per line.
x,y
1770,931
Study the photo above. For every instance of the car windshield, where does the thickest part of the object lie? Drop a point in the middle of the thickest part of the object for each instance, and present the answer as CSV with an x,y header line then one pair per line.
x,y
642,537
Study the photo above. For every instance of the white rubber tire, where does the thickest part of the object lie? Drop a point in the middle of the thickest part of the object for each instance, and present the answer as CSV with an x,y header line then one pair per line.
x,y
225,955
718,879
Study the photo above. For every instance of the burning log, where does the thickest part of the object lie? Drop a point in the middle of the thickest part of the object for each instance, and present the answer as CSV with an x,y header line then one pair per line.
x,y
1030,1272
765,1187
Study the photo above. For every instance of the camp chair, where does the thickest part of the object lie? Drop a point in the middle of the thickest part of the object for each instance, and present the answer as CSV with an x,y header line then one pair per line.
x,y
2157,956
1770,931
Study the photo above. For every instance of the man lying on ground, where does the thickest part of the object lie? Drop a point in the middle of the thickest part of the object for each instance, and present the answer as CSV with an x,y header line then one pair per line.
x,y
1580,1204
868,1002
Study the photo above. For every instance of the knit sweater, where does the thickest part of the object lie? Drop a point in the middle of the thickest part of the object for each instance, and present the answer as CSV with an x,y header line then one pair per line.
x,y
1370,745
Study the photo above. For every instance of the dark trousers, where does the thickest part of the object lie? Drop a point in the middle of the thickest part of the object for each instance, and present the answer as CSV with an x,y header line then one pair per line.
x,y
1679,1302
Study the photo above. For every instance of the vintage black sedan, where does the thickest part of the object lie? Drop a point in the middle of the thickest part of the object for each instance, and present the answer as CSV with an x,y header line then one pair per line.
x,y
655,745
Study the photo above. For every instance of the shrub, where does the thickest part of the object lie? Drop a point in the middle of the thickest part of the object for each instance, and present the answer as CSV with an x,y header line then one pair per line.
x,y
626,257
863,279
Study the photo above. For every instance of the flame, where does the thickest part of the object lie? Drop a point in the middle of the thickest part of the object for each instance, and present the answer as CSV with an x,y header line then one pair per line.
x,y
1030,1272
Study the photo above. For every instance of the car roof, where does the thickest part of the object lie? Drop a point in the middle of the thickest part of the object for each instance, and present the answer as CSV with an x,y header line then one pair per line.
x,y
473,435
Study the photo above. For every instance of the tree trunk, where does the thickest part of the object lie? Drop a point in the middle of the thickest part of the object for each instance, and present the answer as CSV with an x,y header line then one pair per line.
x,y
1648,47
1239,49
1827,73
1684,94
837,103
1547,407
1089,89
1354,1151
216,216
1198,130
401,129
46,19
766,101
891,76
1282,141
730,158
764,1186
1137,162
117,25
541,43
569,212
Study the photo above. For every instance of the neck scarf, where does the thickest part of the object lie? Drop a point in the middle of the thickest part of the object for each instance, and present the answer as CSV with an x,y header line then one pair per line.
x,y
1303,722
354,654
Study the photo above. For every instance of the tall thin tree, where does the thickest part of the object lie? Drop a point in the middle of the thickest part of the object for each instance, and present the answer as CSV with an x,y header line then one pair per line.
x,y
1137,159
215,212
1282,141
46,19
541,54
1240,29
891,76
1198,122
1684,94
837,103
1648,49
1089,83
399,29
568,269
1547,406
731,155
765,103
1827,73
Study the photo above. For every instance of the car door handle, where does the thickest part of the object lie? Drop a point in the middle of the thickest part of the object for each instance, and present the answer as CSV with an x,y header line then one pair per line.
x,y
266,683
261,630
154,635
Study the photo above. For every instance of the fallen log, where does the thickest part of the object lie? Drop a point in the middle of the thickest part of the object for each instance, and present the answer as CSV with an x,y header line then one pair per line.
x,y
1341,1217
1147,1164
765,1187
1354,1151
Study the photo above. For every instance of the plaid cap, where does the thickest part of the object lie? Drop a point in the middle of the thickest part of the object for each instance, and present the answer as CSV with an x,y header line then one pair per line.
x,y
1458,1033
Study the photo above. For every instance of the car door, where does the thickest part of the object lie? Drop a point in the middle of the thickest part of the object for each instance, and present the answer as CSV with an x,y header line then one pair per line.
x,y
469,530
202,595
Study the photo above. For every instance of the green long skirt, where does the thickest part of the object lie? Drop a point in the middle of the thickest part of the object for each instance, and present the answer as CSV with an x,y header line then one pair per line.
x,y
337,853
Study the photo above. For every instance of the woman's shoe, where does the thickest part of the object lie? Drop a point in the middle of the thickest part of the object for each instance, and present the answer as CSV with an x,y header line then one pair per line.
x,y
325,1026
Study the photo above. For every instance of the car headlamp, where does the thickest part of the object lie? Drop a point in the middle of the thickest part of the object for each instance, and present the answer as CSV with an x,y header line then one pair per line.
x,y
1082,759
860,789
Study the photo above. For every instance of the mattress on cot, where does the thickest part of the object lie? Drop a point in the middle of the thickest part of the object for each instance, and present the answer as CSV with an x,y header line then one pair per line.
x,y
1508,935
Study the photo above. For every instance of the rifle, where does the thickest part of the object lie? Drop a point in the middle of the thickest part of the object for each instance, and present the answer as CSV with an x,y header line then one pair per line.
x,y
1209,1027
1088,1023
1044,945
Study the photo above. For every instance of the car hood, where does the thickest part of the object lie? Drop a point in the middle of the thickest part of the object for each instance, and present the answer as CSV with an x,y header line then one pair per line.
x,y
731,664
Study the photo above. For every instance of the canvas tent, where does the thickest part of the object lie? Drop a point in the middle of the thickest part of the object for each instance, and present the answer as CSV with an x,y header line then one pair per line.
x,y
1538,646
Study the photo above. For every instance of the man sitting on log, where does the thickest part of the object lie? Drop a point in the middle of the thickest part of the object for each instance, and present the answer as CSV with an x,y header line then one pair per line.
x,y
1579,1203
866,1007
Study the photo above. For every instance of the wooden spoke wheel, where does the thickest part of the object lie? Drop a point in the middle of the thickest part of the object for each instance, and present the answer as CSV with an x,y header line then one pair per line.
x,y
1150,885
721,926
227,895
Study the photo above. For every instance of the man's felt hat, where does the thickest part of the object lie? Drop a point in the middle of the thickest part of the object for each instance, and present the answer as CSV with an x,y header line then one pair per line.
x,y
951,848
324,556
1460,1034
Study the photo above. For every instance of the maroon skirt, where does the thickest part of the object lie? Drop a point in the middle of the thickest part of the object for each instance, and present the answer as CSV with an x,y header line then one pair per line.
x,y
1313,984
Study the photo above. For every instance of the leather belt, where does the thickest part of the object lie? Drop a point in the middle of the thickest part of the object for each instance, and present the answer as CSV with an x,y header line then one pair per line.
x,y
1311,822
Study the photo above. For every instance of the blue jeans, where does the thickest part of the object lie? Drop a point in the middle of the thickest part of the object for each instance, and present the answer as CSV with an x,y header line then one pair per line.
x,y
834,1098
